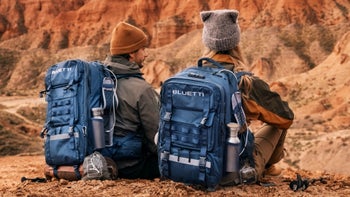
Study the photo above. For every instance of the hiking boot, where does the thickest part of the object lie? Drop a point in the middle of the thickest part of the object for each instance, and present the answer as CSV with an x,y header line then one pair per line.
x,y
273,170
230,179
112,168
98,167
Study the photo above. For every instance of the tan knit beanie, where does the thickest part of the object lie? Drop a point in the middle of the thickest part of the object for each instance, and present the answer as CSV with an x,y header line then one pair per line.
x,y
127,38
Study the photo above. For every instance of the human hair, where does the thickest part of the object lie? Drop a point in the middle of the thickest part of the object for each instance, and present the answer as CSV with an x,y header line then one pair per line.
x,y
245,85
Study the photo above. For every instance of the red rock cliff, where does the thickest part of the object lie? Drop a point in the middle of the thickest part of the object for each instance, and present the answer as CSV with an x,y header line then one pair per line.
x,y
61,24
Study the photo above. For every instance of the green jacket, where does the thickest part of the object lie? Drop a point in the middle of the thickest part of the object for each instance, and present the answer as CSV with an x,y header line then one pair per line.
x,y
138,109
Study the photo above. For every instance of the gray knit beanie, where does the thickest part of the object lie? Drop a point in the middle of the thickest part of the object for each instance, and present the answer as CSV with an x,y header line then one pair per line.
x,y
221,31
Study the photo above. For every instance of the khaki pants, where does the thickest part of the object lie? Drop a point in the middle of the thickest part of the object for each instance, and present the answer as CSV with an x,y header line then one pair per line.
x,y
268,147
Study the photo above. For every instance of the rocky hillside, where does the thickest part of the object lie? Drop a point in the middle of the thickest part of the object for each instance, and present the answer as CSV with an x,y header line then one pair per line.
x,y
300,47
58,24
277,36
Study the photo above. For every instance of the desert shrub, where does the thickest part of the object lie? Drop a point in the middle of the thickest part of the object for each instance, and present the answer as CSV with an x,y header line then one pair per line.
x,y
299,43
342,8
327,39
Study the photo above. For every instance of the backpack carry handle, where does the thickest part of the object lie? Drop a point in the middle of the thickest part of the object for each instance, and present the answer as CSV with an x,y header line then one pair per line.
x,y
200,62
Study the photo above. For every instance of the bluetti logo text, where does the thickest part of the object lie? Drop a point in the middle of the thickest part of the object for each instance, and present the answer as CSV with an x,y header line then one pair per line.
x,y
59,70
188,93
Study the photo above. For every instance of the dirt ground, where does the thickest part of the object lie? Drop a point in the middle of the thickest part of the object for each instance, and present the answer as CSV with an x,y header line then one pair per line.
x,y
321,183
13,168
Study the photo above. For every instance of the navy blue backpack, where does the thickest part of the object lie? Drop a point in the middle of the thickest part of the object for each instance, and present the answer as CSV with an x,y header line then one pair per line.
x,y
195,109
73,88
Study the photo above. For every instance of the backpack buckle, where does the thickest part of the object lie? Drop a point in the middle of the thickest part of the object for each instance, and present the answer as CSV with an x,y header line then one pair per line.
x,y
164,155
202,162
204,120
43,132
167,116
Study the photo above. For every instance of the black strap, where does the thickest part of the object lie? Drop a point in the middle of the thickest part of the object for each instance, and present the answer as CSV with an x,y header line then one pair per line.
x,y
77,173
200,62
55,171
37,179
137,75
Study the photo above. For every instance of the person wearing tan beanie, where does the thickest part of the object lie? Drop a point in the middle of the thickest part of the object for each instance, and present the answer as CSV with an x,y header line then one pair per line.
x,y
137,115
126,39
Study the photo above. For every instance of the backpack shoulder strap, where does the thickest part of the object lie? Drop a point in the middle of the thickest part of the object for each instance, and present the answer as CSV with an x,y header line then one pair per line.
x,y
236,98
123,76
110,102
241,73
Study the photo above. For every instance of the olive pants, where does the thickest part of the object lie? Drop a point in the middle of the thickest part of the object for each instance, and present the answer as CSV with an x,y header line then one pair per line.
x,y
269,147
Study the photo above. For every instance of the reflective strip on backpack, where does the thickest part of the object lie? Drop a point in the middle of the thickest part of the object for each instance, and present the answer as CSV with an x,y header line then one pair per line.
x,y
63,136
188,161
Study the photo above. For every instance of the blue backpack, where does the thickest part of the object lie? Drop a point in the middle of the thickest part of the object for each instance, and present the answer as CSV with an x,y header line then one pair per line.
x,y
195,109
73,88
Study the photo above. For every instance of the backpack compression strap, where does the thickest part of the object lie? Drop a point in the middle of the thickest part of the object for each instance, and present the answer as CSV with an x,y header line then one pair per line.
x,y
110,102
236,100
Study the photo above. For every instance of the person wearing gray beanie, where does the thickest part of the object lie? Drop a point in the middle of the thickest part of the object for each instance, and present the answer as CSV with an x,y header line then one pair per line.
x,y
221,31
221,36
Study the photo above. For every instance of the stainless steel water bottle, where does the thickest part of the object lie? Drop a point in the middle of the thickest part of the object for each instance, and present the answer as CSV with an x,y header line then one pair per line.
x,y
233,150
98,128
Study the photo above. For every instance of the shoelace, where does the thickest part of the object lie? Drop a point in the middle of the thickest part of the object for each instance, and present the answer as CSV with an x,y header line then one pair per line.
x,y
94,171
